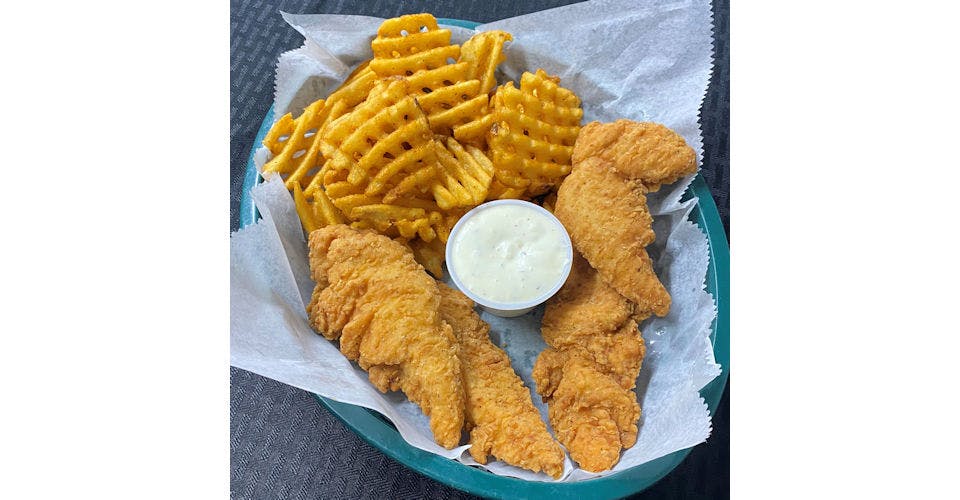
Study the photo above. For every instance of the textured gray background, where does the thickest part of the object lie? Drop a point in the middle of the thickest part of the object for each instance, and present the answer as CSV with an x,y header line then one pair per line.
x,y
283,444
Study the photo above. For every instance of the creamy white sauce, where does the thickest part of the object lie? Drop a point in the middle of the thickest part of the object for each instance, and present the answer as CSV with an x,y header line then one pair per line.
x,y
509,253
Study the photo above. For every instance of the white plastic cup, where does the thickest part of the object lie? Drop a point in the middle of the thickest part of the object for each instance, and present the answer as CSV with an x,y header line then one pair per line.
x,y
508,309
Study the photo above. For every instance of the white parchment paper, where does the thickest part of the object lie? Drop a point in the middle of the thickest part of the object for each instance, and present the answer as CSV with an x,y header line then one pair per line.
x,y
647,62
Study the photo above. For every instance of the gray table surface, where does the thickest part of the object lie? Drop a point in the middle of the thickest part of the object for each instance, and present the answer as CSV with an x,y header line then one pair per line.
x,y
283,443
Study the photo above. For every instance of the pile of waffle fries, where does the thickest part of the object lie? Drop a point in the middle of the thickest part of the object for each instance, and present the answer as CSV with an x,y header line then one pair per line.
x,y
420,134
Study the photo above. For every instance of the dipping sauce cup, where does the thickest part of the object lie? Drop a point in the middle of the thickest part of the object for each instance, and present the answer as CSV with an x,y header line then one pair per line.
x,y
509,256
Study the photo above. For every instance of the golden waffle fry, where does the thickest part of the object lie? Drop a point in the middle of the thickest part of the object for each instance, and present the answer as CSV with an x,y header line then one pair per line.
x,y
353,91
381,156
347,203
407,44
426,82
464,175
450,218
360,70
403,218
453,104
422,228
500,192
324,209
391,219
362,224
407,66
438,219
414,47
304,210
295,144
483,52
386,214
435,219
317,213
447,97
379,146
532,137
475,131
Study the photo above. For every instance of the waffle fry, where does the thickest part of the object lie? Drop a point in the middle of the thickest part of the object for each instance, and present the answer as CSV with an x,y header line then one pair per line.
x,y
414,138
435,215
500,192
360,70
483,52
475,131
452,105
447,97
317,213
426,82
464,175
534,129
380,153
295,144
353,92
304,210
380,145
416,48
326,212
440,221
450,219
421,228
411,43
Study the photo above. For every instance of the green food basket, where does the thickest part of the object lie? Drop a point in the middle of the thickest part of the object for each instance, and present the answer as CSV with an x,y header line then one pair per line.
x,y
379,432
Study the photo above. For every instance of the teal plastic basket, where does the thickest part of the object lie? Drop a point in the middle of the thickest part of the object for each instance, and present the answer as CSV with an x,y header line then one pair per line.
x,y
379,432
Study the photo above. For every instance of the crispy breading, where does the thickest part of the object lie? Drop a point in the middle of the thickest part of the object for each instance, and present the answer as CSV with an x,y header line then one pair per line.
x,y
584,305
500,414
588,373
590,318
645,151
595,346
592,415
609,223
384,309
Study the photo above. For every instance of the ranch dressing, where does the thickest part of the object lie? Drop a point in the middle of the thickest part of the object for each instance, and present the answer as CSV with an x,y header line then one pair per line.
x,y
510,253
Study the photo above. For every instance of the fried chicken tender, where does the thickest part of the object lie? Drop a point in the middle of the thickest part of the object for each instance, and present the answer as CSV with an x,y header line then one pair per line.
x,y
609,223
592,415
385,310
500,414
648,152
589,317
588,373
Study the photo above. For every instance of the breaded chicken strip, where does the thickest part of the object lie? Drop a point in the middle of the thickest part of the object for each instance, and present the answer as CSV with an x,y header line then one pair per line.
x,y
609,223
588,316
592,415
648,152
500,414
384,309
587,374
